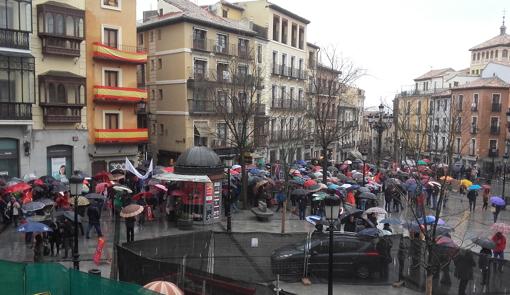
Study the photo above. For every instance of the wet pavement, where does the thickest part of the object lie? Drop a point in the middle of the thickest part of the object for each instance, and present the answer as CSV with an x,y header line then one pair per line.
x,y
343,289
467,225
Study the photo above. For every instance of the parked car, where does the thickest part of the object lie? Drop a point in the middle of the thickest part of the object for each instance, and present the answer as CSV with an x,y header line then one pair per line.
x,y
352,254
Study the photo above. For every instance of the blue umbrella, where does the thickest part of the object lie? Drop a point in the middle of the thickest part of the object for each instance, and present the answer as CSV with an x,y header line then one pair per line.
x,y
313,219
370,232
32,227
301,162
391,221
497,201
333,186
474,187
254,171
430,219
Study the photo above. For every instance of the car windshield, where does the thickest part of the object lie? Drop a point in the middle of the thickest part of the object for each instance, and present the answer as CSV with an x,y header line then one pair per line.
x,y
309,244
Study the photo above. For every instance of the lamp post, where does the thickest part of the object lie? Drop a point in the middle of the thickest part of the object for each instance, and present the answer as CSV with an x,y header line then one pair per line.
x,y
379,123
332,208
401,152
493,155
76,184
505,161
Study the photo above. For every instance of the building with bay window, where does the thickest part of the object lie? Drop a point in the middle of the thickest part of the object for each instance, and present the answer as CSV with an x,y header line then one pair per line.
x,y
17,86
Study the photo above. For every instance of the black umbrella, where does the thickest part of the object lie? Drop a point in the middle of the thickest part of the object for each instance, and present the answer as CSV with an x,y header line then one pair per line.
x,y
370,232
46,201
67,214
484,243
47,179
363,189
368,196
350,210
299,192
32,206
58,187
94,196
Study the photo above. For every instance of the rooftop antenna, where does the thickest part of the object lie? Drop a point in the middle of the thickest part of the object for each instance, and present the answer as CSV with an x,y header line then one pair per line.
x,y
502,29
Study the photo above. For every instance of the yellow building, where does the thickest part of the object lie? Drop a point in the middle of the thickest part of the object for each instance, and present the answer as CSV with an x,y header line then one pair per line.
x,y
191,49
113,95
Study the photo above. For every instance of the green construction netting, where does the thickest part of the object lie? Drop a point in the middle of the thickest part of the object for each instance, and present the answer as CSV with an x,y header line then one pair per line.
x,y
55,279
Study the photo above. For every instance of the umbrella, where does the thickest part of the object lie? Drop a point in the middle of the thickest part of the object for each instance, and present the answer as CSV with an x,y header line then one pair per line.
x,y
47,179
131,210
332,169
497,201
100,187
320,196
259,184
345,186
484,243
333,186
301,162
94,196
392,221
32,206
443,230
255,171
67,214
298,180
57,187
17,187
350,210
371,232
447,178
142,195
314,188
367,195
445,241
486,186
430,219
46,202
421,163
363,189
347,162
466,182
501,227
33,227
178,193
434,183
164,287
376,210
29,177
299,192
82,201
161,187
121,188
474,187
313,219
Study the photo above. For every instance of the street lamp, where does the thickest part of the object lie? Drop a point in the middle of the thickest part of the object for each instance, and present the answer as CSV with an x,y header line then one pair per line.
x,y
379,123
76,185
332,208
505,161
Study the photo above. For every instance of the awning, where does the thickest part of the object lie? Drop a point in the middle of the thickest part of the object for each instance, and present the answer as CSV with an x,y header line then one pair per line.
x,y
202,128
15,54
180,177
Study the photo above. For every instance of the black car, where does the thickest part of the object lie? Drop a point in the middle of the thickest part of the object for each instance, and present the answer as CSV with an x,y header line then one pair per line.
x,y
352,255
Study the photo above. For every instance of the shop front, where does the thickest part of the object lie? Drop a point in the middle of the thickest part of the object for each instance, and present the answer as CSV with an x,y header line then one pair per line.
x,y
9,157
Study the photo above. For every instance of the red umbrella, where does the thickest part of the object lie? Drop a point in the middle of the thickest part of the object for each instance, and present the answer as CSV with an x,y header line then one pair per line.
x,y
317,168
142,195
168,169
100,187
18,187
103,176
178,193
39,182
309,183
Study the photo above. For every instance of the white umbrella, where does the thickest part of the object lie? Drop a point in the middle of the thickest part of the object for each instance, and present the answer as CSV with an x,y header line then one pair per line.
x,y
376,210
121,188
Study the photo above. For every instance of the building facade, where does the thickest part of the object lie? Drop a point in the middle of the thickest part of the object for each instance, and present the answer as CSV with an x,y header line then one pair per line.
x,y
496,50
113,96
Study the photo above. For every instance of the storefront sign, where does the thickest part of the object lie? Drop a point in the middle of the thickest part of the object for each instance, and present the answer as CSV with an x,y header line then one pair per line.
x,y
217,200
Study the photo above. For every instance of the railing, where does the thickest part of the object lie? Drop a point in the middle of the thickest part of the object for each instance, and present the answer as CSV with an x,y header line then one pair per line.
x,y
493,153
496,107
15,111
210,45
197,107
260,109
494,130
415,92
275,69
474,130
219,143
123,53
61,113
110,94
60,45
288,104
127,136
14,39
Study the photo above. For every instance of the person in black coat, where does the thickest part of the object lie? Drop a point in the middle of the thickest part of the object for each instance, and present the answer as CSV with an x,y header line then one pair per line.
x,y
471,195
94,221
130,228
464,264
483,264
55,238
67,235
349,224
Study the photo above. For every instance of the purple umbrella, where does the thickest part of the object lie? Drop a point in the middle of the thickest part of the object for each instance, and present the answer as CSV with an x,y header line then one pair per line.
x,y
497,201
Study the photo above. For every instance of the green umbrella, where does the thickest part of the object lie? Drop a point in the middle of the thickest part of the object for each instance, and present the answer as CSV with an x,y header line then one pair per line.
x,y
422,163
320,196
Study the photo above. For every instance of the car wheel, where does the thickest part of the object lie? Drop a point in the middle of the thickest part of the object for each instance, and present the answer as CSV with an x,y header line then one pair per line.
x,y
363,272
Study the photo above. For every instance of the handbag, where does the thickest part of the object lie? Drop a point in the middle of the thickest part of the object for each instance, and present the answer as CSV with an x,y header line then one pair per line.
x,y
493,209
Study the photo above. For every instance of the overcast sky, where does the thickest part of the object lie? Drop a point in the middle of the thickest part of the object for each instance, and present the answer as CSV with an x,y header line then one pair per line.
x,y
395,40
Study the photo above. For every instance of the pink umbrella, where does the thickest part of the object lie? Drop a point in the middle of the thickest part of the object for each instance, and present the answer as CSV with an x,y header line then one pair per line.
x,y
161,187
309,183
164,287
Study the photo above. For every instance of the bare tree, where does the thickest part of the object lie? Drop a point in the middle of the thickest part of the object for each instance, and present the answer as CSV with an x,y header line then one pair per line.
x,y
235,93
328,82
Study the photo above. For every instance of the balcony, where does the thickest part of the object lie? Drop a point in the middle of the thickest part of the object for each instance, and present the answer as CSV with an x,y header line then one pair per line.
x,y
260,109
496,108
202,107
15,111
14,39
121,136
493,153
123,53
107,94
209,45
494,130
61,113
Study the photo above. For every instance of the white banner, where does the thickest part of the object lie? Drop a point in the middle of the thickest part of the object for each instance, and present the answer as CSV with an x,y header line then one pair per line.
x,y
132,169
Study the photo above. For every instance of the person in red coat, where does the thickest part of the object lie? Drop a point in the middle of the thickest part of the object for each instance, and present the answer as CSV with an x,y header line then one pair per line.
x,y
498,252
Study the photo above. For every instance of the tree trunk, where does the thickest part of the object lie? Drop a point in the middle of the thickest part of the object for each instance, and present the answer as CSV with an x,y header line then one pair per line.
x,y
287,193
244,180
325,165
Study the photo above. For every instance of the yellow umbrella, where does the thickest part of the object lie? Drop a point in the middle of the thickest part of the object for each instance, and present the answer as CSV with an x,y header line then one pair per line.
x,y
466,182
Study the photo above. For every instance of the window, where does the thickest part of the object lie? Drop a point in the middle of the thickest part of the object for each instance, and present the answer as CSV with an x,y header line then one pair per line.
x,y
472,147
153,96
225,13
492,54
221,134
259,53
111,78
445,105
153,66
140,39
419,107
159,34
457,144
199,39
111,3
496,98
494,123
59,24
161,129
474,104
242,70
50,24
111,120
493,147
474,56
504,53
285,31
199,69
478,56
160,63
221,44
496,53
273,95
111,37
443,143
474,127
151,36
418,141
293,37
243,47
201,131
283,96
301,37
300,96
276,28
160,94
460,101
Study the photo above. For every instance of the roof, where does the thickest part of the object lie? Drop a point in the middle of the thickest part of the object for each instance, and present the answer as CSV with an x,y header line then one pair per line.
x,y
286,12
311,45
499,40
434,74
62,74
231,5
492,82
191,12
328,69
198,160
444,93
60,4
